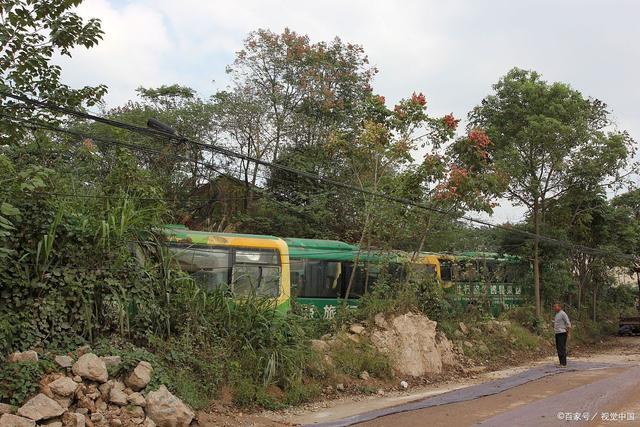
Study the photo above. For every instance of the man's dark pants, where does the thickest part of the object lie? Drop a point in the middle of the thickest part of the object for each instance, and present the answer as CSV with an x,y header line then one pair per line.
x,y
561,346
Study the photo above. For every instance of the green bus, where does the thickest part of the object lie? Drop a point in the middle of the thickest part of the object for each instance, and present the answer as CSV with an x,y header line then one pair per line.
x,y
484,278
243,264
321,270
317,271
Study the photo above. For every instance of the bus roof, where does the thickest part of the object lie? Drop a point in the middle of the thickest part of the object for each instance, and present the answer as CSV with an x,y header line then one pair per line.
x,y
329,250
182,233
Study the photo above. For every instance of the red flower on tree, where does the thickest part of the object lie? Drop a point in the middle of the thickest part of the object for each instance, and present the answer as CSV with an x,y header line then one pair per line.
x,y
450,121
479,138
88,144
419,99
381,99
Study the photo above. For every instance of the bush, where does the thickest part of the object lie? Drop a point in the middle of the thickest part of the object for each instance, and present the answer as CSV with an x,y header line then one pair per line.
x,y
19,380
353,358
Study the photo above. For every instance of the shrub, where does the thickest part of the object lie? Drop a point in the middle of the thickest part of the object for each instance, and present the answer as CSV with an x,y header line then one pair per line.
x,y
19,380
353,358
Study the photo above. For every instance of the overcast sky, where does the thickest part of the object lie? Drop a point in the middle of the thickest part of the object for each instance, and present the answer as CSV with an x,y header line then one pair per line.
x,y
452,51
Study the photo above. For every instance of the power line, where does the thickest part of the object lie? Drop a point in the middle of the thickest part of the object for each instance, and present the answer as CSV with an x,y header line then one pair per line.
x,y
259,190
315,177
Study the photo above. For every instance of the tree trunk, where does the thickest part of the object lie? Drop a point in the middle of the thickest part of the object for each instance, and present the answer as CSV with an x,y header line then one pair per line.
x,y
357,260
638,276
536,257
579,297
595,293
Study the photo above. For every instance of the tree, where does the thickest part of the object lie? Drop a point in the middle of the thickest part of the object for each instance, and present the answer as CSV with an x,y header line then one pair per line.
x,y
31,34
290,92
547,139
627,211
585,218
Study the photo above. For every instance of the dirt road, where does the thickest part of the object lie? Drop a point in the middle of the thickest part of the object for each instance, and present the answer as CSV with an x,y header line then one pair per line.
x,y
600,389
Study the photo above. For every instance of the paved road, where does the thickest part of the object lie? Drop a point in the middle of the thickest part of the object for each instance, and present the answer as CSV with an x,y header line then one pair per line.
x,y
541,396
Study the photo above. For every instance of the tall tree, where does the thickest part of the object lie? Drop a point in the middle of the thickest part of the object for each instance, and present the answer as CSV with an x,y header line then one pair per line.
x,y
547,139
627,212
31,34
290,92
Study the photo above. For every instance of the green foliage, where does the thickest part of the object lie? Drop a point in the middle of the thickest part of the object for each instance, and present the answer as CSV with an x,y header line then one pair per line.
x,y
526,317
69,274
543,140
31,35
19,380
353,358
300,393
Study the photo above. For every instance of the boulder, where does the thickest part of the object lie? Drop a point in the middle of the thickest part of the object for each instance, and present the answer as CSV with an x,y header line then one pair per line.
x,y
111,361
101,405
64,402
25,356
73,419
64,386
319,345
148,422
40,407
83,350
87,404
52,423
340,387
166,410
445,348
482,347
412,344
329,361
105,388
8,420
6,409
118,397
63,361
140,376
133,412
136,399
468,344
356,328
364,375
474,369
91,367
380,321
463,328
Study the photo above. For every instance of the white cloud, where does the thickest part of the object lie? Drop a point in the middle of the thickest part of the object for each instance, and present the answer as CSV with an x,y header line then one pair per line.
x,y
135,51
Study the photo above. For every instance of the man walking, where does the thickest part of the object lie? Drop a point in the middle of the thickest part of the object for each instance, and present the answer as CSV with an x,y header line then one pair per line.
x,y
562,329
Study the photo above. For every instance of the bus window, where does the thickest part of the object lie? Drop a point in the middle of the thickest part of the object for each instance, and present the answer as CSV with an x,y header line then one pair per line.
x,y
468,271
446,273
296,268
358,284
423,271
321,279
373,272
256,271
208,266
249,256
333,278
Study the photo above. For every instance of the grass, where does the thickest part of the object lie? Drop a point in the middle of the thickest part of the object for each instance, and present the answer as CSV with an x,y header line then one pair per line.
x,y
353,358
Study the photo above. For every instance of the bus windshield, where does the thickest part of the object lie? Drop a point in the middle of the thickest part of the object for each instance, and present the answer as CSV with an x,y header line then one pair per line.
x,y
242,271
